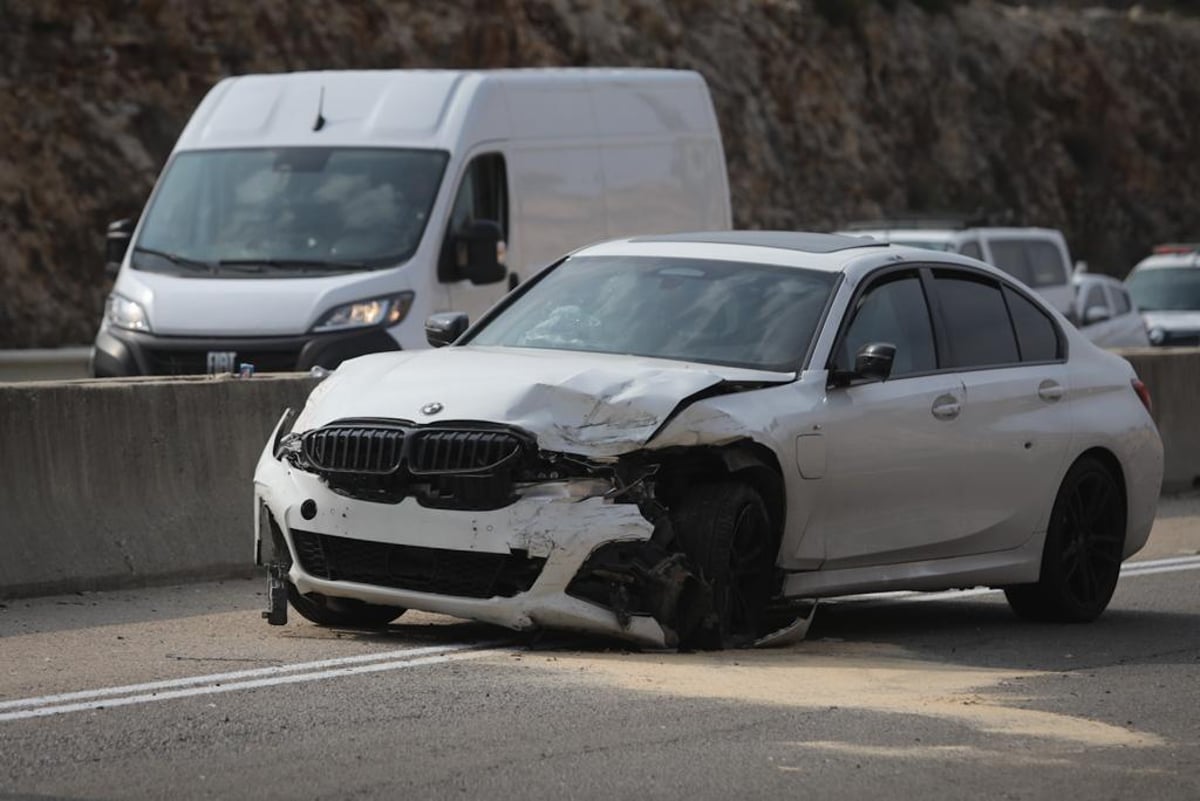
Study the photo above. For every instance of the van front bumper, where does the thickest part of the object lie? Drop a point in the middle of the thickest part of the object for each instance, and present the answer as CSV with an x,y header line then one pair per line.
x,y
130,353
526,554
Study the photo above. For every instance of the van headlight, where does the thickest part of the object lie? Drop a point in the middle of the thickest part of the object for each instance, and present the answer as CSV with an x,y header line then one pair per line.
x,y
125,313
1157,335
388,311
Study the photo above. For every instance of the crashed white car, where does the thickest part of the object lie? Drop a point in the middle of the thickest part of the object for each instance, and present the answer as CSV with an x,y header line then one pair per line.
x,y
668,439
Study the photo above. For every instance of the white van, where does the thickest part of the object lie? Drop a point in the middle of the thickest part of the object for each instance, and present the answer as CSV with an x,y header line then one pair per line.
x,y
1038,257
306,218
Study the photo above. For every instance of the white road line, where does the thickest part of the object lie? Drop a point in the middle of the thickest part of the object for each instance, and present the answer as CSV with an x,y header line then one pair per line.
x,y
237,675
1150,567
270,681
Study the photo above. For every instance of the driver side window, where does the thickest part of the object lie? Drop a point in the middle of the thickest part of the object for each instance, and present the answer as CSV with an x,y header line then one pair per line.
x,y
893,310
482,195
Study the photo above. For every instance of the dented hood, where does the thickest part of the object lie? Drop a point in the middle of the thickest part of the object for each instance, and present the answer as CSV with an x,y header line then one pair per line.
x,y
585,403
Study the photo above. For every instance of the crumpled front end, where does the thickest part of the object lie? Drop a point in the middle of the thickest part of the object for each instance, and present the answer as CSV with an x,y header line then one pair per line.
x,y
474,520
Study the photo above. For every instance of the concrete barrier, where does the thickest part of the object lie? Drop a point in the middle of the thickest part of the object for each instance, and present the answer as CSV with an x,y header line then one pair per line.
x,y
121,482
45,364
1173,377
126,482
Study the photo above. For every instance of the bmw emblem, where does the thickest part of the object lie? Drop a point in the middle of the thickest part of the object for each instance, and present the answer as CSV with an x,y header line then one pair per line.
x,y
431,408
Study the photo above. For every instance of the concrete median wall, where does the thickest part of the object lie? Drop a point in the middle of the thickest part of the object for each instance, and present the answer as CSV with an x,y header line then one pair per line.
x,y
116,483
1173,377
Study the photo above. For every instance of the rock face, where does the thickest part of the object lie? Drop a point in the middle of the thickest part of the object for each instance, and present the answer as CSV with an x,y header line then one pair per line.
x,y
1084,119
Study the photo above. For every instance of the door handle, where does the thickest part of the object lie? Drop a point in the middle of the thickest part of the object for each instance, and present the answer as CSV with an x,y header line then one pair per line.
x,y
1050,391
946,407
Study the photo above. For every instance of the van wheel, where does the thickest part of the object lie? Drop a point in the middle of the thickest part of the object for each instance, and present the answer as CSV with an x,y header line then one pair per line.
x,y
726,532
1081,560
343,612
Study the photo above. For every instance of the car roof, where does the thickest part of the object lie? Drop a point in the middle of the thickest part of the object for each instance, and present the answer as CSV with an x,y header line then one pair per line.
x,y
783,240
1169,261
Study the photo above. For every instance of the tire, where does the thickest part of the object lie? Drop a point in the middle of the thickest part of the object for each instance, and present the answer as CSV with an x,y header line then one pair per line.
x,y
724,529
341,612
1081,560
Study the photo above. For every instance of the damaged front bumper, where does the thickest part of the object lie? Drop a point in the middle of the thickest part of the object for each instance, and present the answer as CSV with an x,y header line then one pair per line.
x,y
563,555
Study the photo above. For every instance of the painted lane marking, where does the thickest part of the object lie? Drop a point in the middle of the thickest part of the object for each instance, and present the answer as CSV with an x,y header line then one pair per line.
x,y
237,675
1128,570
268,681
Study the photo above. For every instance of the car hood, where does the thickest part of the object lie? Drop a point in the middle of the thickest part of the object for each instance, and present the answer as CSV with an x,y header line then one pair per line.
x,y
585,403
1173,320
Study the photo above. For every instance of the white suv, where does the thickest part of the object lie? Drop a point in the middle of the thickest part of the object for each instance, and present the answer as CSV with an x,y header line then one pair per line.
x,y
1036,256
1166,287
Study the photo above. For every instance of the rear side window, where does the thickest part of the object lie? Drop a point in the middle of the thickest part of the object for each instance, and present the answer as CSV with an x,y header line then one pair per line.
x,y
893,311
1037,336
977,323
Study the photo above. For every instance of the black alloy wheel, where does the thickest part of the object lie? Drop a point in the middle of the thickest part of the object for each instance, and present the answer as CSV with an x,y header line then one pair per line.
x,y
341,612
726,532
1081,560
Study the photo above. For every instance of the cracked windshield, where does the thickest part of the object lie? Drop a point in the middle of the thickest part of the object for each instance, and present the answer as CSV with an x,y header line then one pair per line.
x,y
281,209
718,312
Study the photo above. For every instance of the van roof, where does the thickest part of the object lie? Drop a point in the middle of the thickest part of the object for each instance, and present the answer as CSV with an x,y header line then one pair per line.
x,y
438,108
783,240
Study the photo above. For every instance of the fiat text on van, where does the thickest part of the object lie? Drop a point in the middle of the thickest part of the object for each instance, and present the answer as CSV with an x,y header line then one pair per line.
x,y
306,218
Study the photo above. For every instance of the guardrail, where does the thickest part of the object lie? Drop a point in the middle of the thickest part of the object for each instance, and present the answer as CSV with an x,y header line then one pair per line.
x,y
44,364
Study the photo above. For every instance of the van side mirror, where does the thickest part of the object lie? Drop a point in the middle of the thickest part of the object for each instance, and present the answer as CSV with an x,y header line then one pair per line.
x,y
116,242
443,328
1096,314
477,252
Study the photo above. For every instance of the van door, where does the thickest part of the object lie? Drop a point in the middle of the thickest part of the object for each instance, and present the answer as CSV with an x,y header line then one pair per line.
x,y
482,194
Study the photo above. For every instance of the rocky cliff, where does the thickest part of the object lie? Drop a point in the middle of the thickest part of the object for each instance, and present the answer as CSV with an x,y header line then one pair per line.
x,y
1084,119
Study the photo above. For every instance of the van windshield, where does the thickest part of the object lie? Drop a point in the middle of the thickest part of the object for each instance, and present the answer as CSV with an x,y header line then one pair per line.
x,y
293,210
717,312
1166,289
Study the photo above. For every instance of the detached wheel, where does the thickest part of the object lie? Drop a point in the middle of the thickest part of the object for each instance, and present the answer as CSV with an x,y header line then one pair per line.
x,y
1081,560
342,612
726,532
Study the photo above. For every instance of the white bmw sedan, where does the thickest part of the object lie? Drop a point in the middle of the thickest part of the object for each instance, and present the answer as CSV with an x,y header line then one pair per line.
x,y
665,438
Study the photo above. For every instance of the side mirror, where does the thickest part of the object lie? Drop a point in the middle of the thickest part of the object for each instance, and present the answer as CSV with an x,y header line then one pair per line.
x,y
477,252
443,328
1096,314
116,242
872,363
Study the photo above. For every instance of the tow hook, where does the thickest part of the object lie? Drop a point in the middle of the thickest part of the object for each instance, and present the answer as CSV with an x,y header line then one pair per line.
x,y
277,600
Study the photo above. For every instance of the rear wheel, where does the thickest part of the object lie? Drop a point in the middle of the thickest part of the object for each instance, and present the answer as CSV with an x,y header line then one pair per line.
x,y
726,532
1081,560
328,611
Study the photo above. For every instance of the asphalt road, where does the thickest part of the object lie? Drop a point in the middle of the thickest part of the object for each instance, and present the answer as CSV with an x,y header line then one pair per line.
x,y
183,692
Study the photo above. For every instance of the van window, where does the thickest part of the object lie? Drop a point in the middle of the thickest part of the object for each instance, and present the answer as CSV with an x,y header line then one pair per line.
x,y
977,323
1046,264
1009,256
1037,337
971,249
893,311
1121,302
482,195
276,208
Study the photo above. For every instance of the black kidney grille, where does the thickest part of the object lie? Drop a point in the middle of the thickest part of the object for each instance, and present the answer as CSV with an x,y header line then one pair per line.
x,y
441,452
466,574
372,451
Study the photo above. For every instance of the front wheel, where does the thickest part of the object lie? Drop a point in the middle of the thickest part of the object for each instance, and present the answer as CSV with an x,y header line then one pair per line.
x,y
342,612
725,530
1081,560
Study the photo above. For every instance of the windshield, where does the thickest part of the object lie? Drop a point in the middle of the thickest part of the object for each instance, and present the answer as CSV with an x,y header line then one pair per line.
x,y
718,312
288,208
1166,289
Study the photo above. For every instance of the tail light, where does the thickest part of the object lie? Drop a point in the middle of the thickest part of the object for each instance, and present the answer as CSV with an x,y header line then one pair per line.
x,y
1143,394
